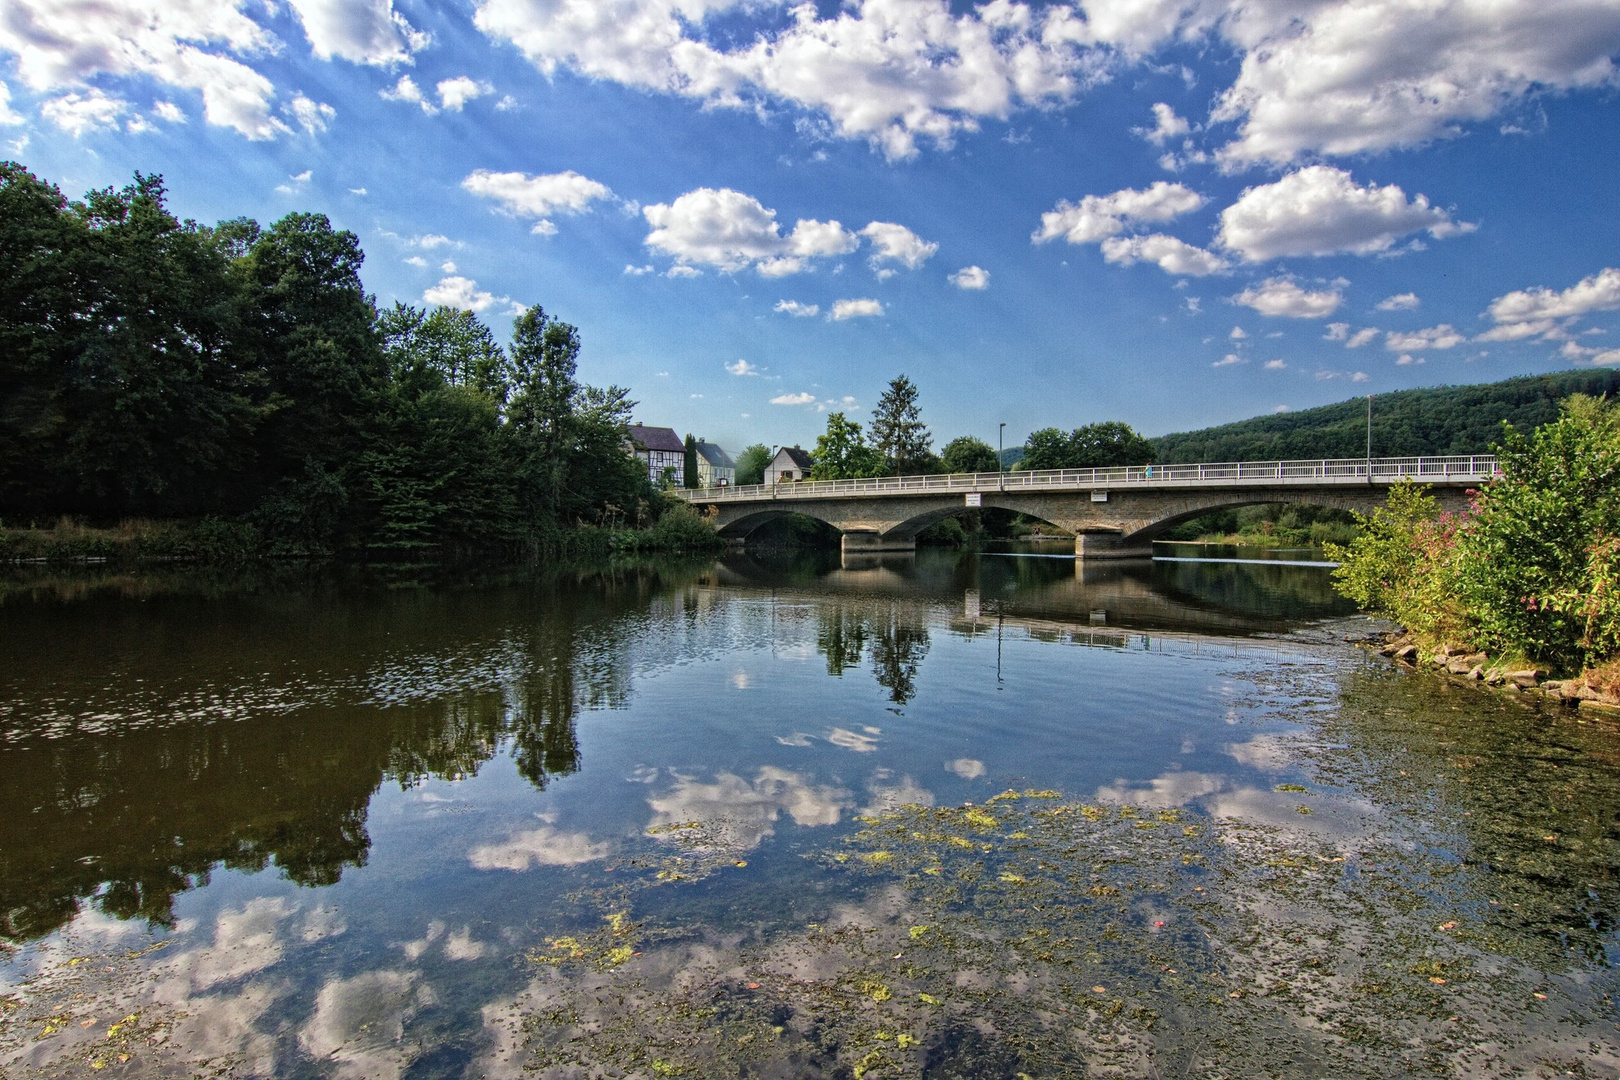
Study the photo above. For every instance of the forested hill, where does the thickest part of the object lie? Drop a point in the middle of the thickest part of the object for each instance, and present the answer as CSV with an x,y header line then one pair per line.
x,y
1438,420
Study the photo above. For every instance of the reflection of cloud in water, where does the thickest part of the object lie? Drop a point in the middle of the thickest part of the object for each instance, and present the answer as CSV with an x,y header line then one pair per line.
x,y
849,740
739,814
544,846
460,945
1162,792
739,679
798,738
965,767
1268,753
323,922
359,1023
246,940
892,796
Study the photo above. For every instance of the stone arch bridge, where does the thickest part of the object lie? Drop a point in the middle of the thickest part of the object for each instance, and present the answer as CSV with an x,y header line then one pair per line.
x,y
1113,513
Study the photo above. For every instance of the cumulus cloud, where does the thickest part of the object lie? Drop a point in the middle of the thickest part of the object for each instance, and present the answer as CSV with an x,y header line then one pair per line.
x,y
1405,301
60,45
360,31
889,73
1598,356
801,398
1166,125
521,195
8,118
971,277
1228,360
793,307
855,309
1169,254
312,116
1285,299
80,114
1406,359
1097,217
743,367
1276,365
896,243
1320,210
1342,78
407,90
1238,333
455,93
1435,337
731,231
454,291
1600,292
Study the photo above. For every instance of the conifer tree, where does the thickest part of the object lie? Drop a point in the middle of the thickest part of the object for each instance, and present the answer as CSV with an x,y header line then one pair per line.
x,y
898,433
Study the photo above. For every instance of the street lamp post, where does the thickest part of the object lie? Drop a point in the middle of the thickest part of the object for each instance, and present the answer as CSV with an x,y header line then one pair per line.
x,y
1001,464
1369,438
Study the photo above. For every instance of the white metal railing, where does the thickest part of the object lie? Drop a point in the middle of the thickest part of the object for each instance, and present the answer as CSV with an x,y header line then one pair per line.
x,y
1476,468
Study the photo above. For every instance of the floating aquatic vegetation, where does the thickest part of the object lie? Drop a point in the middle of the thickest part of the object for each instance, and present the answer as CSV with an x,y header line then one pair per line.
x,y
1064,939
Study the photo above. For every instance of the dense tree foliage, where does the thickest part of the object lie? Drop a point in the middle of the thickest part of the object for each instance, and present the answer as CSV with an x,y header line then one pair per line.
x,y
1406,423
842,453
965,454
898,434
1094,446
751,464
152,367
1532,571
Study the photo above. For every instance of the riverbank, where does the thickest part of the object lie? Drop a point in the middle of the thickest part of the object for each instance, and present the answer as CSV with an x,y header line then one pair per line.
x,y
1592,689
131,542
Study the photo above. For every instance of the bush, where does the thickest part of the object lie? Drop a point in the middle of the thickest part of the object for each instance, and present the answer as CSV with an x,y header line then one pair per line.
x,y
1399,565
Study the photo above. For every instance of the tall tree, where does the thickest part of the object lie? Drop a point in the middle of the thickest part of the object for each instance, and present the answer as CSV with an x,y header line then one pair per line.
x,y
689,468
898,433
1094,446
842,453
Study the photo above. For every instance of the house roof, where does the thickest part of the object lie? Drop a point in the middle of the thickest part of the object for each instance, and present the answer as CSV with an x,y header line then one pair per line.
x,y
800,458
656,438
715,456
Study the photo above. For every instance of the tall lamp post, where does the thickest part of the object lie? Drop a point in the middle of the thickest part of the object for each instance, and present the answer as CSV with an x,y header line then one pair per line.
x,y
1001,464
1369,438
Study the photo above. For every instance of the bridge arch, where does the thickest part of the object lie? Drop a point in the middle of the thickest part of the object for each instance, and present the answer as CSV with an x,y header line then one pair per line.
x,y
1325,500
740,528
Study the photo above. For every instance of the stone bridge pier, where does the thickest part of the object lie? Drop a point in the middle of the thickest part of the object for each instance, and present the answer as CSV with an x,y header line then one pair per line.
x,y
1107,524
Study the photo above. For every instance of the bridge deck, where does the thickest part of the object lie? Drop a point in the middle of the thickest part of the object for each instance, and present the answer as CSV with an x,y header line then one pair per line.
x,y
1451,471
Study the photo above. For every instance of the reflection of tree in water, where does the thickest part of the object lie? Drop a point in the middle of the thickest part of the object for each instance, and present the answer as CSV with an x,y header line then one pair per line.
x,y
133,817
897,644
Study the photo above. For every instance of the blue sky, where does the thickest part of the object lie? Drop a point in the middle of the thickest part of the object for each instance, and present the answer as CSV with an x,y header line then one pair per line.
x,y
1169,212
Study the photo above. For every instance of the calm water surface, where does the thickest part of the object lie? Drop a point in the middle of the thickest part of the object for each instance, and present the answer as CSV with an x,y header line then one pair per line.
x,y
944,815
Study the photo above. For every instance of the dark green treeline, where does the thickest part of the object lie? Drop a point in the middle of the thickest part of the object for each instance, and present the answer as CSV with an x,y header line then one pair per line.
x,y
158,368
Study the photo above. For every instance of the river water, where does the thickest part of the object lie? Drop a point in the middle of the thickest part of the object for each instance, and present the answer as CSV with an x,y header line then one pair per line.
x,y
943,815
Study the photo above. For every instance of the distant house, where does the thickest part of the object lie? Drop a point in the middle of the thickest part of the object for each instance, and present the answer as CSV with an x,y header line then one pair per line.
x,y
715,466
789,466
661,449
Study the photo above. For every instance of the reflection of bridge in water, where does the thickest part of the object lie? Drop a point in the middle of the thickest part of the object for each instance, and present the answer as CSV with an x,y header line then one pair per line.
x,y
1062,596
1113,513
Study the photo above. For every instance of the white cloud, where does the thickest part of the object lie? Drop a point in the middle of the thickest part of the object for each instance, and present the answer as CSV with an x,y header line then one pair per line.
x,y
1096,217
537,196
1548,329
407,90
1339,78
1601,357
1337,331
167,111
731,231
793,307
8,118
357,191
1405,301
1283,298
1319,210
416,260
1435,337
679,271
1166,125
1228,360
1276,365
430,241
459,292
79,114
60,45
971,277
1238,333
1361,337
897,243
313,116
890,73
801,398
361,31
638,271
855,309
743,367
1360,376
1600,292
455,93
1407,358
1171,255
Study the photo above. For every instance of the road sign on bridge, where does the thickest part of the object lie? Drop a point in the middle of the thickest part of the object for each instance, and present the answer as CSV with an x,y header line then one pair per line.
x,y
1114,513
